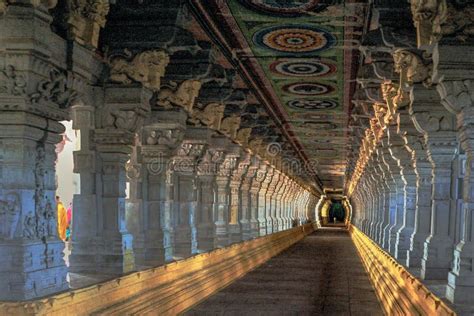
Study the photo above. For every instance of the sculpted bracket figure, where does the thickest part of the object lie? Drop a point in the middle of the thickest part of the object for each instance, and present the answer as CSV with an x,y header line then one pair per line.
x,y
146,68
182,95
85,19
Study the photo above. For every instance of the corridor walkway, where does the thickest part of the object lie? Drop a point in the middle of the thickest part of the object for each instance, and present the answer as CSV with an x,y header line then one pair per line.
x,y
320,275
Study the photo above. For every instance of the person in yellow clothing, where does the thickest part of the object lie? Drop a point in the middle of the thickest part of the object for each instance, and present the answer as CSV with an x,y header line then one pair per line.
x,y
62,219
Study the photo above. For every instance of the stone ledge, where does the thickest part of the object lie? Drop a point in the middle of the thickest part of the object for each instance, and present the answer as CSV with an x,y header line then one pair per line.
x,y
165,290
399,292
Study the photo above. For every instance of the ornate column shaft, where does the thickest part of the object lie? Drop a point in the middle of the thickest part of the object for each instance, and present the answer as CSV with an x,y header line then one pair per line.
x,y
246,199
223,197
262,199
235,233
184,165
151,188
403,156
254,199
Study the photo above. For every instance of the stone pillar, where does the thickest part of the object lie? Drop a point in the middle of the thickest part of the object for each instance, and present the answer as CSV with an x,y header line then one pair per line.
x,y
31,251
262,201
151,188
397,198
235,233
423,104
246,199
437,125
254,199
384,205
104,245
221,207
286,205
206,198
184,166
270,200
403,156
457,96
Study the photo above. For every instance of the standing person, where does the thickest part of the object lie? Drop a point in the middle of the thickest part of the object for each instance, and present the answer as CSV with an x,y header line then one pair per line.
x,y
69,219
62,219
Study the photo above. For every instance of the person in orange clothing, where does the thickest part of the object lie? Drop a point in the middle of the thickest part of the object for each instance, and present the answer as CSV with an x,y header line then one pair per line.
x,y
62,219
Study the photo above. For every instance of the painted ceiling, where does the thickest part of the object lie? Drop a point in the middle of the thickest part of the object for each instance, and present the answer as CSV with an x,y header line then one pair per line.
x,y
296,49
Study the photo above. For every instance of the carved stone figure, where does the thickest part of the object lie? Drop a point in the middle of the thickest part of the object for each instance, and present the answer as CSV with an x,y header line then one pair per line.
x,y
411,68
230,125
55,90
125,118
146,67
29,224
436,18
85,19
243,135
10,213
11,82
210,116
168,137
182,95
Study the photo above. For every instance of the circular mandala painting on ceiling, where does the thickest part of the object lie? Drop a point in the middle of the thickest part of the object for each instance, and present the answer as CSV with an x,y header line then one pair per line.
x,y
302,68
281,7
312,104
308,88
295,39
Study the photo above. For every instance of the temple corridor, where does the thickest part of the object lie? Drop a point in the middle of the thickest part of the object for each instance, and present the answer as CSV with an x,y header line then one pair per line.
x,y
320,275
160,157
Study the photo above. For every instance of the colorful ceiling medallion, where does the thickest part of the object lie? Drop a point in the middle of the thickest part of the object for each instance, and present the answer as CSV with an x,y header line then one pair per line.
x,y
281,7
302,68
308,88
312,104
295,39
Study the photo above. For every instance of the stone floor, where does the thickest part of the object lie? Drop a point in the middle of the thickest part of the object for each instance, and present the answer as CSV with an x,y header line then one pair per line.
x,y
320,275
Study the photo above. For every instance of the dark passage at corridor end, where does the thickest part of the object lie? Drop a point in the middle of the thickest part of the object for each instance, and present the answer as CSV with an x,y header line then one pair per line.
x,y
320,275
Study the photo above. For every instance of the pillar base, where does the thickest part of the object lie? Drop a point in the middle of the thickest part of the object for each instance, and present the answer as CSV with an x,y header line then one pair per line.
x,y
269,224
415,253
253,228
245,226
205,237
402,244
31,269
183,242
235,235
460,289
436,262
262,227
109,255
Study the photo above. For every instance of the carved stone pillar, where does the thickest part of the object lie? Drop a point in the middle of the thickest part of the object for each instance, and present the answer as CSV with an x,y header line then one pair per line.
x,y
34,96
31,251
151,196
184,166
223,195
235,233
255,198
457,96
384,218
436,262
286,204
206,197
246,199
270,200
422,102
403,156
397,198
262,199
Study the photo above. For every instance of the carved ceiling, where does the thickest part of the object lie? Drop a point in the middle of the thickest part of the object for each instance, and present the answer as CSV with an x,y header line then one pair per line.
x,y
275,76
300,54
